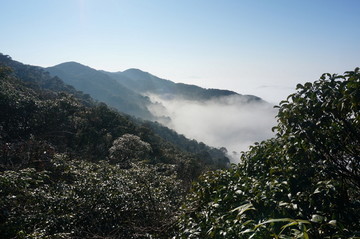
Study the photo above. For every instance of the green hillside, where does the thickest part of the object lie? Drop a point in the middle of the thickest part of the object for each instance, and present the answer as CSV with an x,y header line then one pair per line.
x,y
102,88
72,167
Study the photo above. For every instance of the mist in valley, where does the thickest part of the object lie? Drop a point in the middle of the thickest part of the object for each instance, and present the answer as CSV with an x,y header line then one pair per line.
x,y
230,121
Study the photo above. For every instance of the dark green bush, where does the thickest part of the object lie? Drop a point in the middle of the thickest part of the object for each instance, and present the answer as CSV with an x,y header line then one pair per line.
x,y
84,199
304,183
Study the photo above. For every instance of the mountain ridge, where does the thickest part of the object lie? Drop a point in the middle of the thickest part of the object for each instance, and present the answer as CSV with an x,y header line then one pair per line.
x,y
127,90
159,85
34,78
102,88
68,163
191,110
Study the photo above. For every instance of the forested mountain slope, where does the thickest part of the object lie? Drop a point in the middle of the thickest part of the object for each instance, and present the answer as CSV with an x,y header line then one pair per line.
x,y
38,79
126,91
220,118
72,167
103,88
35,77
144,82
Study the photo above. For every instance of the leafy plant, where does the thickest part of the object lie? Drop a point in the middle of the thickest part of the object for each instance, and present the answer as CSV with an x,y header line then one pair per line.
x,y
83,199
304,183
128,147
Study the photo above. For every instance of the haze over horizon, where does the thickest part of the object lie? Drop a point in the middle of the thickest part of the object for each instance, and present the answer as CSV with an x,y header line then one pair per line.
x,y
263,48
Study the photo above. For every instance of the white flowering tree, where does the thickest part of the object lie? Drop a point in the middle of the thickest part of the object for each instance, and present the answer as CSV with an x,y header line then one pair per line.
x,y
128,148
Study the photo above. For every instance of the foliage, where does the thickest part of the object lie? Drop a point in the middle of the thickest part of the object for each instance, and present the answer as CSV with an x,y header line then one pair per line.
x,y
57,177
42,108
212,156
72,168
301,184
84,199
36,78
128,147
323,120
103,88
34,121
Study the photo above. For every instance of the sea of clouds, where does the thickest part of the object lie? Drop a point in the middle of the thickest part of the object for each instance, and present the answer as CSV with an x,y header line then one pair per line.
x,y
229,121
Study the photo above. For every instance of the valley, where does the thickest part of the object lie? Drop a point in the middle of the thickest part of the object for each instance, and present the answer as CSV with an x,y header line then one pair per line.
x,y
220,118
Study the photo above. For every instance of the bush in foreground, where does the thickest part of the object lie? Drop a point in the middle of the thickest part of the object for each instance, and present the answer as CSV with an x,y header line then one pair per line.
x,y
304,183
83,199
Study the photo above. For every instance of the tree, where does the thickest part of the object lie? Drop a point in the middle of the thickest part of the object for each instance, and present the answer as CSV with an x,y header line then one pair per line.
x,y
79,199
322,119
5,71
128,148
304,183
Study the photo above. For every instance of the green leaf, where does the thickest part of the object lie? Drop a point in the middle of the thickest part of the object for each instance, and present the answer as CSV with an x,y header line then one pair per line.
x,y
243,208
306,235
317,218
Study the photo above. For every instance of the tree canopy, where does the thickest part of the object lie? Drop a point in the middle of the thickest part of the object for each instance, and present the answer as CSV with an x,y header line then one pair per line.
x,y
304,183
74,168
71,167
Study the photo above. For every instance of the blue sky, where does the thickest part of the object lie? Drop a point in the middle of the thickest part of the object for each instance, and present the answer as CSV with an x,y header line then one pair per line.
x,y
252,47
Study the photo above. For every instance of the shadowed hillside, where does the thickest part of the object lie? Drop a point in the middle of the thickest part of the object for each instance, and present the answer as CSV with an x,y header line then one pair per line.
x,y
102,88
71,167
188,109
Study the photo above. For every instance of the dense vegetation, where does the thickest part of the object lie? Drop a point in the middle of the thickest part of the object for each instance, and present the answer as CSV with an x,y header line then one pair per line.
x,y
74,168
71,167
304,183
103,88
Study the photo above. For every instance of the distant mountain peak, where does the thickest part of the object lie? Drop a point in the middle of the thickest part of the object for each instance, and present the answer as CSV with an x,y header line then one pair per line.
x,y
135,74
103,88
135,70
128,90
72,65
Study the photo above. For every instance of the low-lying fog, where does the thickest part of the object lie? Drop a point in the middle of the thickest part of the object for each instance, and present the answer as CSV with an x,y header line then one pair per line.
x,y
226,122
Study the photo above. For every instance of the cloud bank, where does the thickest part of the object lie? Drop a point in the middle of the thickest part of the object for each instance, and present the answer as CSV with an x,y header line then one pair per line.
x,y
225,122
